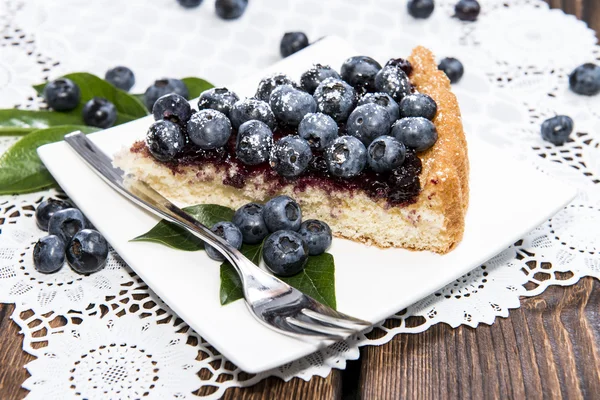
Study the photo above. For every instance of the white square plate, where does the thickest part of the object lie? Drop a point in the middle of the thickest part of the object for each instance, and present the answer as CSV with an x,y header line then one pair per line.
x,y
370,283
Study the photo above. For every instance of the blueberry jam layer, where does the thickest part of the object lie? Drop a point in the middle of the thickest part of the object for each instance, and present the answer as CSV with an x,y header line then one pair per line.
x,y
398,187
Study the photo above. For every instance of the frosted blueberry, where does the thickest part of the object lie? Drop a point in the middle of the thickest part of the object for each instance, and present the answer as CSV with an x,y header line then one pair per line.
x,y
346,157
392,80
318,129
290,156
209,129
384,100
220,99
385,153
164,140
315,75
368,121
415,132
253,143
249,109
335,98
360,72
418,105
269,83
291,105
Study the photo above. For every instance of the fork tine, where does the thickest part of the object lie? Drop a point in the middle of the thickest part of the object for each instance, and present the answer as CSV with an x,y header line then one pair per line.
x,y
337,319
329,331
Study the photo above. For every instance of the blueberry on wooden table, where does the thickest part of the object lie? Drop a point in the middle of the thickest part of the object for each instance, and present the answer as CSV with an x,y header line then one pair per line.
x,y
585,79
285,253
420,9
317,235
385,153
346,157
418,105
290,105
230,9
66,223
249,109
220,99
46,209
360,72
467,10
172,107
335,98
100,113
49,254
282,213
121,77
209,129
87,252
415,132
228,231
311,78
253,142
164,86
384,100
62,94
164,140
557,129
453,69
292,42
249,219
318,129
368,122
290,156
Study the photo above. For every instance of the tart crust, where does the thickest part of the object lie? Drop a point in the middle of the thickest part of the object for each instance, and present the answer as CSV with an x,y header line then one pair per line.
x,y
435,221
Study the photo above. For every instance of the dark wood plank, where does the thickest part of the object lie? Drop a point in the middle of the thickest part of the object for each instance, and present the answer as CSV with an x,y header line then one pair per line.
x,y
329,388
12,357
548,348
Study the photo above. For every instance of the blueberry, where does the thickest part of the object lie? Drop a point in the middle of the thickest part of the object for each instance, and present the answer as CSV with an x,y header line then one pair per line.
x,y
290,156
164,86
384,100
230,9
285,253
100,113
335,98
172,107
66,223
121,77
269,83
254,142
317,235
291,105
368,122
315,75
220,99
360,72
282,213
318,129
418,105
49,254
420,8
228,231
291,42
385,153
87,252
46,210
452,68
164,140
62,94
346,157
585,79
557,129
401,63
467,10
392,80
249,219
415,132
249,109
189,3
209,129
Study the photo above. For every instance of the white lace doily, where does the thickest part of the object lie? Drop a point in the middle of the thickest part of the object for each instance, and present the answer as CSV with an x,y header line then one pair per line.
x,y
112,337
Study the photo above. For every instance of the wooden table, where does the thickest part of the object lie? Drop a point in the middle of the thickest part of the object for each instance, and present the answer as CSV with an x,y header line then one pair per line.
x,y
548,348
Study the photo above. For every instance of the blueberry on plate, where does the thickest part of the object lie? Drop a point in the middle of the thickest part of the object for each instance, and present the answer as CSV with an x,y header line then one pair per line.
x,y
318,129
62,94
285,253
249,219
335,98
368,122
585,79
292,42
164,140
164,86
228,231
189,3
121,77
415,132
315,75
385,153
420,8
346,157
453,69
66,223
49,254
317,235
290,156
360,71
209,129
253,142
418,105
557,129
230,9
467,10
291,105
270,83
172,107
282,213
249,109
87,252
392,80
46,210
220,99
384,100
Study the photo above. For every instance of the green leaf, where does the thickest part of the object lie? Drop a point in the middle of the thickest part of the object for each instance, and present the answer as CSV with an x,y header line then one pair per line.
x,y
231,286
21,170
20,122
173,236
196,86
128,107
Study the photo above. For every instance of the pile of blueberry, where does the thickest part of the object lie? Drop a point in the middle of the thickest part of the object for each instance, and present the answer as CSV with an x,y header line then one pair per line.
x,y
70,235
289,241
226,9
367,117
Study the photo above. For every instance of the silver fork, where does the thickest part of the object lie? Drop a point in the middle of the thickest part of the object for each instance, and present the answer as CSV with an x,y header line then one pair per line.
x,y
272,301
